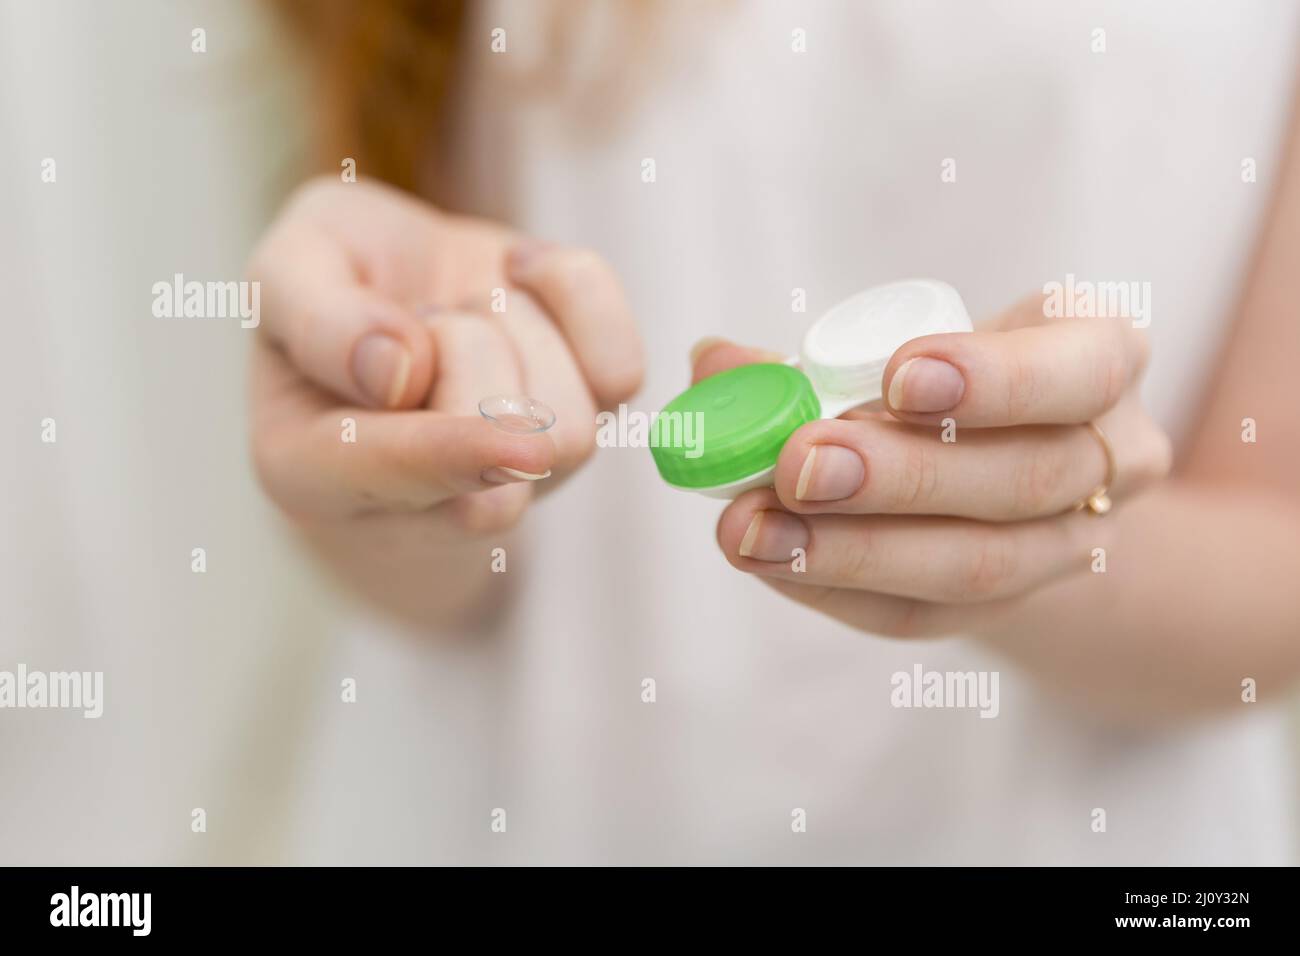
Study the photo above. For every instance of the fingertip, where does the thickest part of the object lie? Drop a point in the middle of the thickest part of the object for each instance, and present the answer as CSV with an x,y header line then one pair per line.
x,y
523,257
390,362
460,454
517,455
581,293
703,346
926,378
711,355
792,462
737,519
822,463
411,387
619,379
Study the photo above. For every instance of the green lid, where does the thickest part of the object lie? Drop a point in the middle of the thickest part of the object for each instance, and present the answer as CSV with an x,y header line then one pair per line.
x,y
731,425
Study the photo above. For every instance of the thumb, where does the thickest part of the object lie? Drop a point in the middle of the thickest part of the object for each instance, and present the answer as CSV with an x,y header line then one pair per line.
x,y
346,337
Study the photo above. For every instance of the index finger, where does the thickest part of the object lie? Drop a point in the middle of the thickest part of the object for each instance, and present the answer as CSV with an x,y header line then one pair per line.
x,y
584,298
344,335
318,459
1066,372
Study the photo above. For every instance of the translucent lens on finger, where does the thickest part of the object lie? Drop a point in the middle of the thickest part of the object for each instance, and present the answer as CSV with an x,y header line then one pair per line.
x,y
517,414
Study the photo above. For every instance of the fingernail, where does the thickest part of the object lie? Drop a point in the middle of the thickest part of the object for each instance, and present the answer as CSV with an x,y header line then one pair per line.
x,y
829,473
524,254
703,345
380,366
773,536
500,475
926,385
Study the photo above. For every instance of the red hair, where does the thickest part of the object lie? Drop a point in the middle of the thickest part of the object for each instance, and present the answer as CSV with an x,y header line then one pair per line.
x,y
380,72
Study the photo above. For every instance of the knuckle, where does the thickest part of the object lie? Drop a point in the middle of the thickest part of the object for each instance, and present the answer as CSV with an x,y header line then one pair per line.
x,y
267,457
857,563
1037,480
1157,456
399,463
989,570
311,193
301,325
407,450
584,267
622,380
262,451
273,249
576,273
258,265
1023,390
1110,373
918,479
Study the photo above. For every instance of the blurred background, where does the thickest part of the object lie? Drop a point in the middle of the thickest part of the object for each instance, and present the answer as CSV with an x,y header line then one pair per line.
x,y
167,161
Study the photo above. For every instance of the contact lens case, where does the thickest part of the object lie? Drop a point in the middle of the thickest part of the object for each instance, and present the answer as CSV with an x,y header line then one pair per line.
x,y
739,420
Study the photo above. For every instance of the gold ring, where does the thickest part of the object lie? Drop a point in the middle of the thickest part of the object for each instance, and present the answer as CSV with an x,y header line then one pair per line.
x,y
1098,502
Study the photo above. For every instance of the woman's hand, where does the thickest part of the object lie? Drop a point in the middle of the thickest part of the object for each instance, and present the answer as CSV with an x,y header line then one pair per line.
x,y
382,312
876,520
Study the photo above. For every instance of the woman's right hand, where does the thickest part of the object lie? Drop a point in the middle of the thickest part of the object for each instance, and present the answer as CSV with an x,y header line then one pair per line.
x,y
377,309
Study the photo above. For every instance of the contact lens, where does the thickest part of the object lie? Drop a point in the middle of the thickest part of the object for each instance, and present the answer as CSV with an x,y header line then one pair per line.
x,y
517,414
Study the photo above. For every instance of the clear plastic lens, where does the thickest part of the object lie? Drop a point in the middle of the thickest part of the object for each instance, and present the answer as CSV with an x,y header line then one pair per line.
x,y
518,414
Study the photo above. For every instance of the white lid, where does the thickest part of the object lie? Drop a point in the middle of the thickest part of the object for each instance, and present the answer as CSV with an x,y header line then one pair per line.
x,y
846,350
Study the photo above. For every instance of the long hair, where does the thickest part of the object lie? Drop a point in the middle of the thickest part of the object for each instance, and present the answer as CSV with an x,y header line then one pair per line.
x,y
380,73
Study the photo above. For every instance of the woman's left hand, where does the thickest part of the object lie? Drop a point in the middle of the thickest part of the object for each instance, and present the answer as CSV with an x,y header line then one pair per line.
x,y
938,512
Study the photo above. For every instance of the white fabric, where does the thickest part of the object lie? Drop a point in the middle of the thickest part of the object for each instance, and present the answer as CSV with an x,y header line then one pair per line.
x,y
819,170
202,672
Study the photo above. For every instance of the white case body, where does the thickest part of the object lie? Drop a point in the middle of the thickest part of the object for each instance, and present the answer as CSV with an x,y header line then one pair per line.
x,y
845,352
